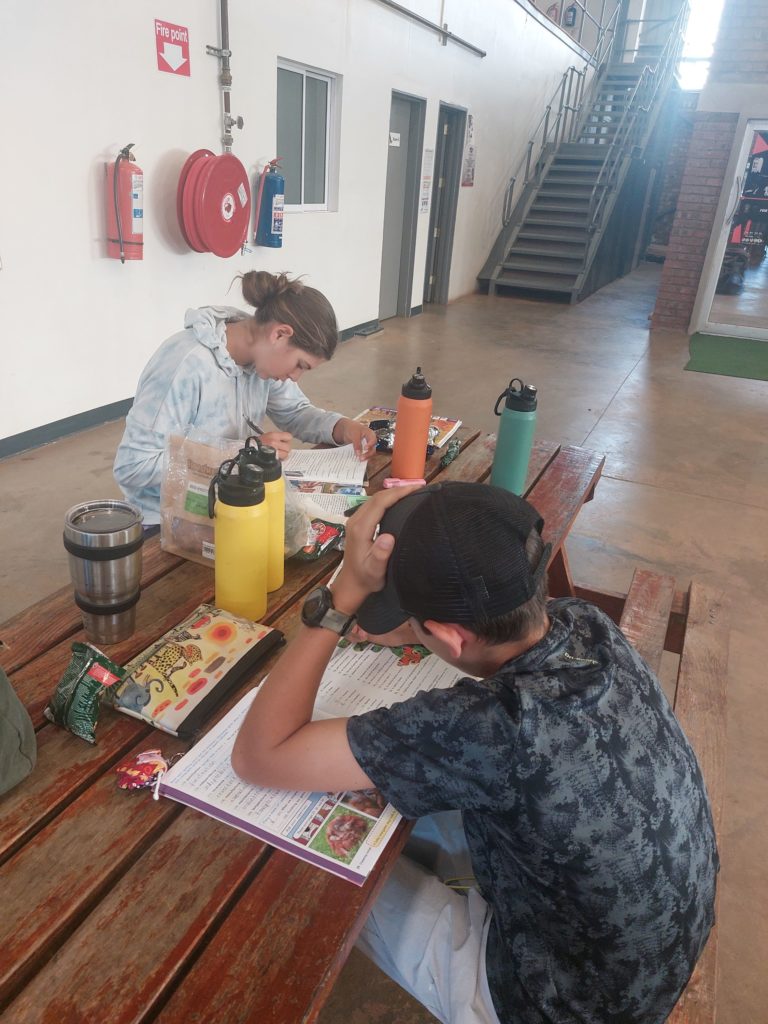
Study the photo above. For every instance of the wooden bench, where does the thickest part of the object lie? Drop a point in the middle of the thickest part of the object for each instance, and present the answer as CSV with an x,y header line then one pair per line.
x,y
695,625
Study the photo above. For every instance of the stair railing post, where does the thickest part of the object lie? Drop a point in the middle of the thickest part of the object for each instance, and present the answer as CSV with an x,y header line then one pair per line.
x,y
566,106
562,111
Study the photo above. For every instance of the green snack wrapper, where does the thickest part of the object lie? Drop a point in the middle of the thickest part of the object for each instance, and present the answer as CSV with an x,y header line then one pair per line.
x,y
75,703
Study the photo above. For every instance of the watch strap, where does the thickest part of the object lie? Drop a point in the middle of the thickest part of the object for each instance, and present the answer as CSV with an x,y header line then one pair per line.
x,y
339,622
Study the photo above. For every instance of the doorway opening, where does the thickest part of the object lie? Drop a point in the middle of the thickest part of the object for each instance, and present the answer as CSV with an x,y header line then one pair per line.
x,y
734,293
449,150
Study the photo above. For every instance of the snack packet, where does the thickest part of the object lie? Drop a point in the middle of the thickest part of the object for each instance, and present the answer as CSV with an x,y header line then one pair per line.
x,y
321,537
75,703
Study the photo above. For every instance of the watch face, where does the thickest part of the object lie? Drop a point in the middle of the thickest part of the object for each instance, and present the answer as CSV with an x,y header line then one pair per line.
x,y
316,605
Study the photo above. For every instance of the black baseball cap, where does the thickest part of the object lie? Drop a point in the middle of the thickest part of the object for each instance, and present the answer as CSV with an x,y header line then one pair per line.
x,y
459,556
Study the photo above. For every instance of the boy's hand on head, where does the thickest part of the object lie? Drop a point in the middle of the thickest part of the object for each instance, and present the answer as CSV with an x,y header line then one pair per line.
x,y
364,568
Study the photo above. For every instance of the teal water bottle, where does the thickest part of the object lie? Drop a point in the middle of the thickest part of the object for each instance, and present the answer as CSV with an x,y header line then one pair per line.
x,y
515,439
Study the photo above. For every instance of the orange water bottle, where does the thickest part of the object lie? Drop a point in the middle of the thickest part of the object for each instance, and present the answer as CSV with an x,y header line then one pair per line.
x,y
414,412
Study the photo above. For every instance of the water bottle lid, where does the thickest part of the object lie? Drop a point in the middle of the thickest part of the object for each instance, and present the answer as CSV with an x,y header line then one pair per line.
x,y
417,386
241,489
269,463
518,399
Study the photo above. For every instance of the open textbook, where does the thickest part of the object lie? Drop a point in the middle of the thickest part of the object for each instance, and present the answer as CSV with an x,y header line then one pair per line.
x,y
344,833
328,477
444,426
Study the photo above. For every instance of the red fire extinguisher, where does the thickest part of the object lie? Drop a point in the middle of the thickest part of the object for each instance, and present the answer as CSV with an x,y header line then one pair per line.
x,y
125,207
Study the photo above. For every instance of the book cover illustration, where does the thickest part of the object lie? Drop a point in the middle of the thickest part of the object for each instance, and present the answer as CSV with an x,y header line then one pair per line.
x,y
445,426
176,681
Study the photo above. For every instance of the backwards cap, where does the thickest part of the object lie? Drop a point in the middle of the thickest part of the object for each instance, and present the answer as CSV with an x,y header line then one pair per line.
x,y
459,556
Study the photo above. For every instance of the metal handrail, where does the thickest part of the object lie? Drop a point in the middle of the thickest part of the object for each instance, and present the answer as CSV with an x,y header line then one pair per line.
x,y
569,95
620,144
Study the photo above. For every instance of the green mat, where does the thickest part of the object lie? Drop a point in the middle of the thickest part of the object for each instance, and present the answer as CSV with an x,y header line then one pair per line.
x,y
731,357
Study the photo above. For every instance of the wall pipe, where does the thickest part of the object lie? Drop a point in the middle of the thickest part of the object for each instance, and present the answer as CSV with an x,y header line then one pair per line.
x,y
442,31
223,52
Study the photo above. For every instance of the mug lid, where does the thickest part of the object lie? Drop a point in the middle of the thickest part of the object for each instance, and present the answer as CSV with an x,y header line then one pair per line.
x,y
107,516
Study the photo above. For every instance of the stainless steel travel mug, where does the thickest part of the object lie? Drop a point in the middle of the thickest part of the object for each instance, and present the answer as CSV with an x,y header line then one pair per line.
x,y
104,540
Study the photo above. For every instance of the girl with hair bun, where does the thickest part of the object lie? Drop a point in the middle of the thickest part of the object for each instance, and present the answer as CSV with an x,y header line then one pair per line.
x,y
225,371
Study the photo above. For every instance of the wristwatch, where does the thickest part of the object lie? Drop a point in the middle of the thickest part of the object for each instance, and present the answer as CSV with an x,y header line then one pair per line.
x,y
318,610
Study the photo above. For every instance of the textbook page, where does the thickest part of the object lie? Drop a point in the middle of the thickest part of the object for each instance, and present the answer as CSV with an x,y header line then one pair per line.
x,y
344,833
329,465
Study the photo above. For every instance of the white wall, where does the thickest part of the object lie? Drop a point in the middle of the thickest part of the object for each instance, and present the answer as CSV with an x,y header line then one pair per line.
x,y
78,80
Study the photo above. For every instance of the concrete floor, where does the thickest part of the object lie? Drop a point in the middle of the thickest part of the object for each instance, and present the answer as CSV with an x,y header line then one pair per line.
x,y
685,491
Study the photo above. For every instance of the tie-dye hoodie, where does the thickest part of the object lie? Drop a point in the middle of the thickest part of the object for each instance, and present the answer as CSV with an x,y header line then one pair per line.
x,y
192,381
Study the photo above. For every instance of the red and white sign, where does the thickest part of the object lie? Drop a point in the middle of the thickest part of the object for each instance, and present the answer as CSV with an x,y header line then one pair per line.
x,y
172,44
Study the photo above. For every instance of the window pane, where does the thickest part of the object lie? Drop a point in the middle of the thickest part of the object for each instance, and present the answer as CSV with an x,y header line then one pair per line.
x,y
290,87
316,120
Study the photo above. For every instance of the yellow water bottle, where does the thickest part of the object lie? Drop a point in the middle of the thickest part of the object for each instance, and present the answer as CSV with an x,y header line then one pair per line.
x,y
241,539
274,486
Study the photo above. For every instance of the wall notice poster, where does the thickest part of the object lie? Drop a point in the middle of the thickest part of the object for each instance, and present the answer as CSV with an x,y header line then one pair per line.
x,y
468,164
427,168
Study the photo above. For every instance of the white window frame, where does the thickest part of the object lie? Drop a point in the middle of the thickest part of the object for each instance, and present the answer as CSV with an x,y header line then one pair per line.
x,y
331,134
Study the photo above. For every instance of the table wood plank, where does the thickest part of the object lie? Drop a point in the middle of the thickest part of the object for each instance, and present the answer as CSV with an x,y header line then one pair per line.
x,y
302,935
560,493
32,631
124,956
58,876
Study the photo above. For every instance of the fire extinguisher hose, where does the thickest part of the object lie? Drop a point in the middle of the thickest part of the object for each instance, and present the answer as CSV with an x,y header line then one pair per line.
x,y
124,154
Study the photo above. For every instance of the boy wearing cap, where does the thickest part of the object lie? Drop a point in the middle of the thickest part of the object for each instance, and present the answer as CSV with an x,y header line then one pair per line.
x,y
584,812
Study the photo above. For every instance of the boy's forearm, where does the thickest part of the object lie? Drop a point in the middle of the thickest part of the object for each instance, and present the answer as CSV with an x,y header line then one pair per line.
x,y
286,699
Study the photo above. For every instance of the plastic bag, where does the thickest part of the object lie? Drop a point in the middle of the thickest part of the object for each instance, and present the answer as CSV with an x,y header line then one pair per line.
x,y
298,521
190,463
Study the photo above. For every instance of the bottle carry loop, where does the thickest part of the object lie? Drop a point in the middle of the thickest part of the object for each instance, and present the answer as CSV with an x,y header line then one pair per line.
x,y
506,391
220,475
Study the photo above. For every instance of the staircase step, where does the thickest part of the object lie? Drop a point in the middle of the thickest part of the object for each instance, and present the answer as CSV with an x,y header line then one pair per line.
x,y
536,234
560,221
579,208
554,247
555,180
554,190
575,173
541,265
536,282
573,152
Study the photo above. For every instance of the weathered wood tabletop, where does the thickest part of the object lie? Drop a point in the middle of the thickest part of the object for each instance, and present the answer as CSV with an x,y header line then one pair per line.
x,y
118,908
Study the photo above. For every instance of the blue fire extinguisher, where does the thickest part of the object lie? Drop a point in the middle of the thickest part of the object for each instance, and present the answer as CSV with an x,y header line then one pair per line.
x,y
269,206
569,16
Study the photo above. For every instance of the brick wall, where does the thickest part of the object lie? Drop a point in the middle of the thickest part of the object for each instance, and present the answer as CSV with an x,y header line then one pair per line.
x,y
700,189
741,50
675,157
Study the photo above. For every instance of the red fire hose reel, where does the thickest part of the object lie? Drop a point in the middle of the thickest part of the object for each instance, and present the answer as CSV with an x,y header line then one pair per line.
x,y
213,203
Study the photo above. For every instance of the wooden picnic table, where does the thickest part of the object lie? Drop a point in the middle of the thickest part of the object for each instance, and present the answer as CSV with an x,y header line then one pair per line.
x,y
119,908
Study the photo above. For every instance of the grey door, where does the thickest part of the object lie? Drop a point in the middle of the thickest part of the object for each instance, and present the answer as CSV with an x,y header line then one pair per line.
x,y
405,128
445,197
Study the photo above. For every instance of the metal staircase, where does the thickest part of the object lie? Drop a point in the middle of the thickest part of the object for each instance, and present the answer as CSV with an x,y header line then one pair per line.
x,y
562,213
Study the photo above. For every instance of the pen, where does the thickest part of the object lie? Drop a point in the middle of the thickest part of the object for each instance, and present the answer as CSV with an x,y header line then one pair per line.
x,y
252,425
